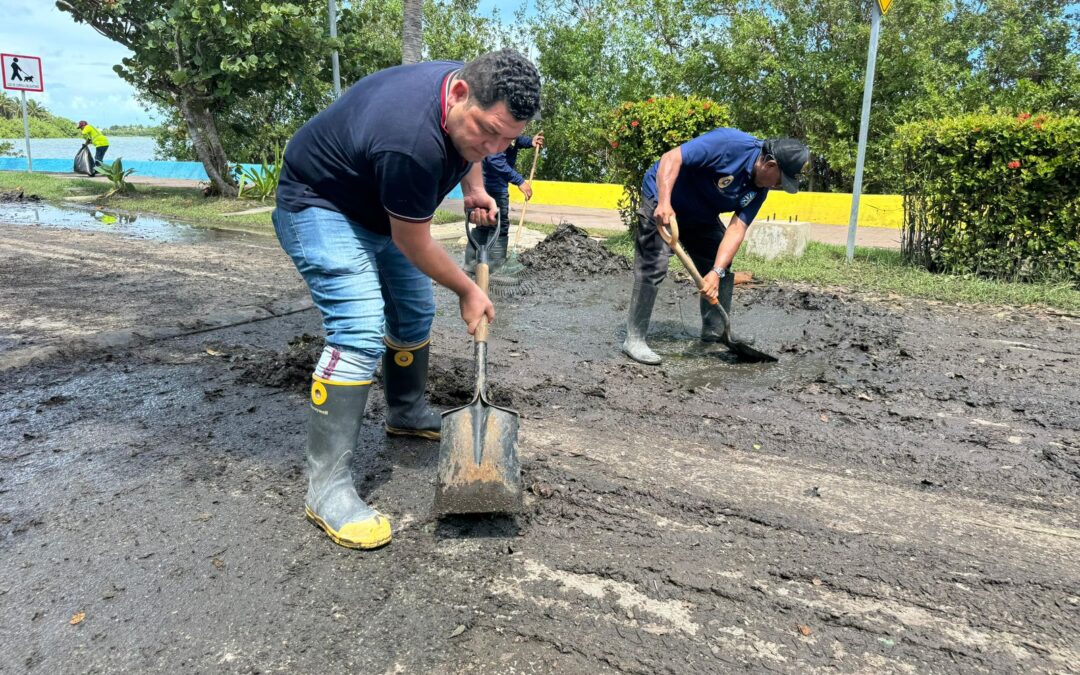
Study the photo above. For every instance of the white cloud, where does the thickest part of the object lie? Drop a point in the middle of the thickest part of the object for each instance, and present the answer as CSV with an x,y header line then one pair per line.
x,y
77,62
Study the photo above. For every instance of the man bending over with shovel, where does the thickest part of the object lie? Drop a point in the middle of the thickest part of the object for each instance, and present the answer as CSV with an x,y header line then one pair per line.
x,y
358,188
723,170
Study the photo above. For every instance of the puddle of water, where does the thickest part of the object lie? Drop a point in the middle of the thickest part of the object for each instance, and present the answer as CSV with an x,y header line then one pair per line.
x,y
128,225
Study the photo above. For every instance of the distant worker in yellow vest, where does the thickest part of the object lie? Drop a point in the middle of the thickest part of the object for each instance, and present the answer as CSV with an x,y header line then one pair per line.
x,y
95,137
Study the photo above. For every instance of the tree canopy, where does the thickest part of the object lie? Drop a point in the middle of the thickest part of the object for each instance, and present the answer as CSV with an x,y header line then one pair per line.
x,y
236,84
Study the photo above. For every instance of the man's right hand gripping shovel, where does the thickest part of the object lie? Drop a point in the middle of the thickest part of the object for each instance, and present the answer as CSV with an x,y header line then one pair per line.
x,y
476,305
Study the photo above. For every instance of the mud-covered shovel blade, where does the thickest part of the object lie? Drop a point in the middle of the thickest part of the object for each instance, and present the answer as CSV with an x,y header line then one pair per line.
x,y
479,470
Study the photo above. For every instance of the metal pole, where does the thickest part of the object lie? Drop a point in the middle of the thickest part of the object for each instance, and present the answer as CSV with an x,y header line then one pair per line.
x,y
26,133
334,54
864,127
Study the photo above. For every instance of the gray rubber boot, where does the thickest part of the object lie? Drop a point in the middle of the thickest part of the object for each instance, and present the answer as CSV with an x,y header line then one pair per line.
x,y
482,234
637,324
497,254
405,374
337,411
712,321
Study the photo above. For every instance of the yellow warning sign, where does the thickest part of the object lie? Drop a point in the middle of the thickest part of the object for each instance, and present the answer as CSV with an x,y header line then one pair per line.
x,y
884,5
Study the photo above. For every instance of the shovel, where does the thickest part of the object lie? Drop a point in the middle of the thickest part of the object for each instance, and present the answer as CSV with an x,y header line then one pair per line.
x,y
479,470
740,349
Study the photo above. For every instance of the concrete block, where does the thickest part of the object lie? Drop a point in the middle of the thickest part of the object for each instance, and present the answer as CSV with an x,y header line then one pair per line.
x,y
771,239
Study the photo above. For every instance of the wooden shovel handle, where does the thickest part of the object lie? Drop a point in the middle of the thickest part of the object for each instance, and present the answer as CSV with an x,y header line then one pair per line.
x,y
672,240
521,221
481,334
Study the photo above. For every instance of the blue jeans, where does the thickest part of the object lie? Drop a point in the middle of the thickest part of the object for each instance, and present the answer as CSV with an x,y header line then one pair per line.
x,y
362,284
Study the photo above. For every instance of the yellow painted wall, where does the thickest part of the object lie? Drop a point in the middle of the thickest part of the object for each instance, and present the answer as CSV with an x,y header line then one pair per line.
x,y
827,208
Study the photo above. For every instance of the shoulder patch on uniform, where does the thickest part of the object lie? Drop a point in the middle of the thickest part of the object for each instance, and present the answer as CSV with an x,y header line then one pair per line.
x,y
724,181
747,198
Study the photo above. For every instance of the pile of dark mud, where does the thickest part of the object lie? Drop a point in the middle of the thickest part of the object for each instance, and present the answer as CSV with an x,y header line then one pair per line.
x,y
17,197
451,380
569,252
452,383
290,369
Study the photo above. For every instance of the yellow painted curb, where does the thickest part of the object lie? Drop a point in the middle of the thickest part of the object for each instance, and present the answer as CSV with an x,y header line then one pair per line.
x,y
826,208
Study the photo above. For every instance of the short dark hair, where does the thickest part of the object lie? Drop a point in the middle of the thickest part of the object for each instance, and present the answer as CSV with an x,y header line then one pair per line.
x,y
505,76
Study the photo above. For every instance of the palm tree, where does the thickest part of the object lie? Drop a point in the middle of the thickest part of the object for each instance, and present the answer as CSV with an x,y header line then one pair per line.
x,y
412,31
9,107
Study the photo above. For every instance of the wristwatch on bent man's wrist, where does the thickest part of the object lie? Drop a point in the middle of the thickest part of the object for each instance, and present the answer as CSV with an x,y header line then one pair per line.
x,y
720,272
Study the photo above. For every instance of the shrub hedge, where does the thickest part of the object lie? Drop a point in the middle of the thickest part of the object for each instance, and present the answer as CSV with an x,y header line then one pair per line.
x,y
640,131
993,195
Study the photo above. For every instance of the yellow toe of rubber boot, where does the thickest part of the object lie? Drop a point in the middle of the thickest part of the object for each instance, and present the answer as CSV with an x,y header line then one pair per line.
x,y
369,533
336,413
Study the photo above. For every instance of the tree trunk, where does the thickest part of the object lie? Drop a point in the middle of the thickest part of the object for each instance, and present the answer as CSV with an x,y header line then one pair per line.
x,y
412,31
202,130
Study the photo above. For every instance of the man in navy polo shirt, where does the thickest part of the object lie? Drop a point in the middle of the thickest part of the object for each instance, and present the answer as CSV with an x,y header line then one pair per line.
x,y
723,170
358,188
499,173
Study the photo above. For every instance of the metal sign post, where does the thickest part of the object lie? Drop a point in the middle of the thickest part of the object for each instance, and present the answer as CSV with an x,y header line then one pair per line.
x,y
26,135
878,7
334,55
22,73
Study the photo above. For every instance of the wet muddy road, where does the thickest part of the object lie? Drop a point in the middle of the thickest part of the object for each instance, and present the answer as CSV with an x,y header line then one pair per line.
x,y
898,494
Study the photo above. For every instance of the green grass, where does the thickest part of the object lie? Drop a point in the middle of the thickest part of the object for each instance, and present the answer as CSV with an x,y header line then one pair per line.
x,y
49,187
876,270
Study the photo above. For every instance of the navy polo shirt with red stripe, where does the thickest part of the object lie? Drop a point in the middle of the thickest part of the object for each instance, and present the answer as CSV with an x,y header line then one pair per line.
x,y
379,150
716,177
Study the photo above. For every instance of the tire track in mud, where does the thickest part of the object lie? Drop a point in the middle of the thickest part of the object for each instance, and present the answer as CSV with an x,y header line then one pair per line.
x,y
665,517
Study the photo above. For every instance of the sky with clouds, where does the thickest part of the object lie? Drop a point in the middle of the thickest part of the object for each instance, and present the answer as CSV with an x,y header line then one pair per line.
x,y
77,61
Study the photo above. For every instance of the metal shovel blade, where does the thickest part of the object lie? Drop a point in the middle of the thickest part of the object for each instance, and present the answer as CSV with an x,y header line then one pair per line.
x,y
479,470
741,349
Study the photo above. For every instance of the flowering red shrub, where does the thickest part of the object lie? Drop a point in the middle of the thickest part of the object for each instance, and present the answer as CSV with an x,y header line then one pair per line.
x,y
641,131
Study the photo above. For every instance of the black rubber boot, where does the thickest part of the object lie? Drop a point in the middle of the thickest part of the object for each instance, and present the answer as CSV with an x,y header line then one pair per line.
x,y
712,321
405,373
482,234
337,411
637,324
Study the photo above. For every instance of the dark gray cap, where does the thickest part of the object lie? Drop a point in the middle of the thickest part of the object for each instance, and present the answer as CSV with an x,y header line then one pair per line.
x,y
792,156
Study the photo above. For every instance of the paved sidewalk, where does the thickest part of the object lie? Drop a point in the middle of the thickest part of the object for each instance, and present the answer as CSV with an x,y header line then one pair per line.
x,y
608,219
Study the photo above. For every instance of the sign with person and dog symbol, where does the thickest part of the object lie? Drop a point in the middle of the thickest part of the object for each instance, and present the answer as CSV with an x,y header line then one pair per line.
x,y
22,73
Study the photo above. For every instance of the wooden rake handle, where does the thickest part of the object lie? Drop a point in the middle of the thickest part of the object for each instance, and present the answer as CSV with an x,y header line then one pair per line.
x,y
525,206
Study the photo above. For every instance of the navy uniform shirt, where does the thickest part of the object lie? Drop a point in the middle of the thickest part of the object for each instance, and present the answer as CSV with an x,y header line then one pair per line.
x,y
716,177
499,169
379,150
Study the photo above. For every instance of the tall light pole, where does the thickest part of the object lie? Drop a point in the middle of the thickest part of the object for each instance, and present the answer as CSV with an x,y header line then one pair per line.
x,y
334,54
878,7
